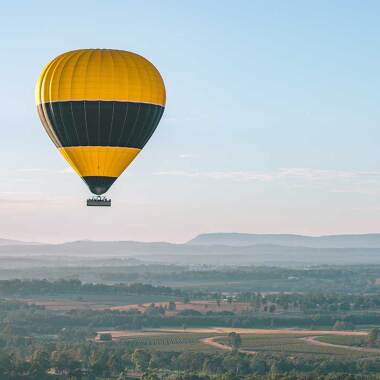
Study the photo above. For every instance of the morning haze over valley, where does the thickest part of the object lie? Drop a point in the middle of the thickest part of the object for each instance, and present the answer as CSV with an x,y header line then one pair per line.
x,y
190,190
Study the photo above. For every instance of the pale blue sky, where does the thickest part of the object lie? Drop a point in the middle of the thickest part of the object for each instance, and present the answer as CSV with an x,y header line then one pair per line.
x,y
272,119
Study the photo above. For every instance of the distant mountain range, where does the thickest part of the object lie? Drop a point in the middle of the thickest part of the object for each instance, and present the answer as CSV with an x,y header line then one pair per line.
x,y
14,242
220,249
327,241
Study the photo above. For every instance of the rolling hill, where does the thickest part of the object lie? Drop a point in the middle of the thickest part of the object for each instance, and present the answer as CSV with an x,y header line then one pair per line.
x,y
327,241
161,252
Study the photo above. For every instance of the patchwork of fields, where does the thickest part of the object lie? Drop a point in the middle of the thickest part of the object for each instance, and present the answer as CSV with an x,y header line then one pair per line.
x,y
285,341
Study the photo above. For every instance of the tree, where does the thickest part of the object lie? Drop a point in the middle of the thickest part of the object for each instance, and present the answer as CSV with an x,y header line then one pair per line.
x,y
213,364
231,364
234,340
98,363
60,361
149,376
105,337
6,364
40,364
343,325
115,363
160,359
141,359
189,360
373,336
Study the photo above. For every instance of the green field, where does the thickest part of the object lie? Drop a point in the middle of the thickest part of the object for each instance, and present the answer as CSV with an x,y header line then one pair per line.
x,y
169,342
343,340
292,344
270,343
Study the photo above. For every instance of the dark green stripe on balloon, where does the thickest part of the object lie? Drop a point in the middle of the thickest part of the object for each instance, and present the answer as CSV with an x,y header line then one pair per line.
x,y
100,123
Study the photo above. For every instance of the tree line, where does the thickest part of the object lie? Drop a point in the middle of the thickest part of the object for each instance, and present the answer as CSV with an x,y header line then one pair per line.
x,y
44,287
90,361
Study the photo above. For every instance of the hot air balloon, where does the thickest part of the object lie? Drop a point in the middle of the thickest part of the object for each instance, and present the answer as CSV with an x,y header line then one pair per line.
x,y
100,107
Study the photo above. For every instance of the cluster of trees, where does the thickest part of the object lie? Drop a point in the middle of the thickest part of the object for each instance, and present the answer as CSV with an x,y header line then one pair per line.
x,y
307,303
44,287
36,343
41,344
343,279
373,337
21,319
239,364
311,302
295,376
91,361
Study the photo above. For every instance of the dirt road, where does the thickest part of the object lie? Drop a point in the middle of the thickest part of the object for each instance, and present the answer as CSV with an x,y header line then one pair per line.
x,y
227,330
313,340
211,342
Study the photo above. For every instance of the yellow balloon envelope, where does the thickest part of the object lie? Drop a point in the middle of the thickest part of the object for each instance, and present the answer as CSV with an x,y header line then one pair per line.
x,y
100,107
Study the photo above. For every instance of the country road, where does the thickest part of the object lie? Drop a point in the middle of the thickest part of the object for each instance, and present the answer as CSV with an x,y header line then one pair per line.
x,y
211,342
313,341
226,330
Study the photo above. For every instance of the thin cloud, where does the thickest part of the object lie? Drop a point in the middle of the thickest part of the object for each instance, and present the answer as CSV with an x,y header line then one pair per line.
x,y
19,192
32,170
283,174
233,175
46,171
10,197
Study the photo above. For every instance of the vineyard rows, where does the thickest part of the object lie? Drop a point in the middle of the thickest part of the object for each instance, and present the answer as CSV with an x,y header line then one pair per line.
x,y
163,340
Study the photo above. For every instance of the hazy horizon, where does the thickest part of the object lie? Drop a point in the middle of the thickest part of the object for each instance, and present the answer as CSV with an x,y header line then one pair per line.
x,y
192,237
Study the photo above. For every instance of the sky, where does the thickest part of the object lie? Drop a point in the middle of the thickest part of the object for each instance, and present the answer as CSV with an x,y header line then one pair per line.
x,y
271,123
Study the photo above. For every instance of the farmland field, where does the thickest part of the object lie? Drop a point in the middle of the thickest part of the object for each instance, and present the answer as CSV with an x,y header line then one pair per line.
x,y
253,340
203,306
167,342
95,302
292,344
342,340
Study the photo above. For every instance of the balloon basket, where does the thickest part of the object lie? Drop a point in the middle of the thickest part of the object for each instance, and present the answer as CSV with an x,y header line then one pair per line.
x,y
99,201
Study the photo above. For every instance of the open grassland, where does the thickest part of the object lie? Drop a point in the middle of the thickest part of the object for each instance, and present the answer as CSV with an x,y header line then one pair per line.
x,y
288,341
292,344
347,340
